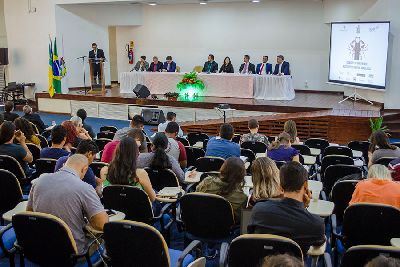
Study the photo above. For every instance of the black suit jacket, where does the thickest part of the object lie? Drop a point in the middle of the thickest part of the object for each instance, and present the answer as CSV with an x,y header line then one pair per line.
x,y
100,54
285,69
251,68
35,119
159,66
227,69
213,69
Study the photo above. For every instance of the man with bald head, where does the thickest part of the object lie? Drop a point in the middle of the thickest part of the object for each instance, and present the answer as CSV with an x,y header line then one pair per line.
x,y
65,195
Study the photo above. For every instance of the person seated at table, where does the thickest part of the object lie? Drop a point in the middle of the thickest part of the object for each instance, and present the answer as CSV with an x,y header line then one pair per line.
x,y
110,147
156,65
247,67
171,116
288,216
169,65
8,114
290,128
157,159
265,178
282,260
175,148
20,151
34,118
377,188
222,145
137,122
254,136
210,66
264,67
81,113
141,65
227,67
123,170
58,138
380,147
282,150
282,67
228,184
64,195
27,128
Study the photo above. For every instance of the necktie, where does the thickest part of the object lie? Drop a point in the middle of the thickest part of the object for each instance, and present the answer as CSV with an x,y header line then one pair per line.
x,y
155,68
262,67
168,67
209,67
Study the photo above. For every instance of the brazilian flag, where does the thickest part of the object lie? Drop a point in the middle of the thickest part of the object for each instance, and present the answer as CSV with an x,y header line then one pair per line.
x,y
50,71
56,70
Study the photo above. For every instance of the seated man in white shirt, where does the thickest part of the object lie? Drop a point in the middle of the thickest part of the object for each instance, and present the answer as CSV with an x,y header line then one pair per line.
x,y
171,116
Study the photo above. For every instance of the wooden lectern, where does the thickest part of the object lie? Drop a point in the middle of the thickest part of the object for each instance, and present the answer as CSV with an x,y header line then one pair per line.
x,y
97,81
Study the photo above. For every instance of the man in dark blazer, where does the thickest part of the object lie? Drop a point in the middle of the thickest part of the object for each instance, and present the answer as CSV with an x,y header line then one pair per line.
x,y
169,65
155,66
247,67
95,55
210,66
264,67
282,67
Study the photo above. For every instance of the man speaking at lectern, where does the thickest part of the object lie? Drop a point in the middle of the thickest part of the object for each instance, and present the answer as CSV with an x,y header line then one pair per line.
x,y
95,55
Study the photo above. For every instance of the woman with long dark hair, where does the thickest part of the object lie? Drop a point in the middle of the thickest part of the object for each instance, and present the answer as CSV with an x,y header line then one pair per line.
x,y
380,147
123,171
157,159
72,135
227,67
229,184
26,127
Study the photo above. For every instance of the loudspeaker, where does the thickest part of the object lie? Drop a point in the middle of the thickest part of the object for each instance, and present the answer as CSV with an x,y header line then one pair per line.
x,y
153,116
3,56
141,91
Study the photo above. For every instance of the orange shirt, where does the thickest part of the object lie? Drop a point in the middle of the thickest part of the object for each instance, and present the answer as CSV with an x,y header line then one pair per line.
x,y
377,191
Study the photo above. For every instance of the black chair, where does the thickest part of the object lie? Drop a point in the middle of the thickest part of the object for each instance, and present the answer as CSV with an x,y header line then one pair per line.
x,y
184,141
236,138
45,166
335,172
256,147
124,246
303,149
279,163
396,144
102,142
248,250
43,141
333,160
361,255
112,129
162,178
192,154
35,151
34,128
209,164
59,250
341,195
249,155
366,223
362,146
10,192
384,161
10,164
317,143
193,138
105,135
337,150
96,167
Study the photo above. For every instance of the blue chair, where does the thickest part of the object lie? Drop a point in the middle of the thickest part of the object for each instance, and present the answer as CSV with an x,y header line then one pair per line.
x,y
7,239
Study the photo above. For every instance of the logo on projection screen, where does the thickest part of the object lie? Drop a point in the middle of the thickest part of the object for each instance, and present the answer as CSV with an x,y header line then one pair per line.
x,y
358,47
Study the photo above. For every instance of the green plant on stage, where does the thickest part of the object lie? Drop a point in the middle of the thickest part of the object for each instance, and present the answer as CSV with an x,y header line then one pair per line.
x,y
190,80
376,124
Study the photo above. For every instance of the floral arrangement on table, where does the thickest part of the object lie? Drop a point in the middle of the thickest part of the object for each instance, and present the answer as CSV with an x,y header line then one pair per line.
x,y
190,81
172,96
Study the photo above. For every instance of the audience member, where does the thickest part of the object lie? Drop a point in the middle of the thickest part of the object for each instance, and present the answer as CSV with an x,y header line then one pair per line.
x,y
210,66
123,171
378,188
63,194
264,67
26,127
380,147
8,112
265,177
82,133
34,118
282,260
394,167
247,67
227,67
222,146
20,151
141,65
171,116
175,148
137,122
89,149
169,65
110,147
290,128
282,67
72,135
254,136
157,159
383,261
288,216
81,113
281,149
58,138
156,65
229,184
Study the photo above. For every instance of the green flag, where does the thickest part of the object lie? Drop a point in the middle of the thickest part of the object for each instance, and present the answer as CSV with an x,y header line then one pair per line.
x,y
56,70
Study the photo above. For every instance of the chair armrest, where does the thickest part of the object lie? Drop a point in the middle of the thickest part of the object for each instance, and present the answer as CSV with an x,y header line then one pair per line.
x,y
317,251
223,254
2,246
192,246
163,211
334,228
86,253
323,195
189,188
327,260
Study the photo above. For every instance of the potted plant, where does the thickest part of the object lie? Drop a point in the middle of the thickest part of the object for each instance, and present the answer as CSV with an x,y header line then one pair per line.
x,y
190,81
172,96
376,124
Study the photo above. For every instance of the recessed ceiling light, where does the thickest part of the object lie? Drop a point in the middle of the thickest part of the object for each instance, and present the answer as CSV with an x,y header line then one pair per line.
x,y
152,4
203,3
255,1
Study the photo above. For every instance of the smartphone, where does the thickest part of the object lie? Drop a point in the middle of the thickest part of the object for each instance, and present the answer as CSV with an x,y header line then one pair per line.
x,y
110,212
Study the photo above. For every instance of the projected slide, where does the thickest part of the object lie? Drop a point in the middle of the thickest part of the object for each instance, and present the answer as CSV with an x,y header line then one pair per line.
x,y
359,54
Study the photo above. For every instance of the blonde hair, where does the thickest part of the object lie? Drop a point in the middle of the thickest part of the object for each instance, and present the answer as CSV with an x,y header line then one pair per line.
x,y
290,128
265,177
378,171
283,139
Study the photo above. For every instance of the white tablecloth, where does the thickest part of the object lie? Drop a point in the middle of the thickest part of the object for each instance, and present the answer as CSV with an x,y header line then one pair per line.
x,y
217,84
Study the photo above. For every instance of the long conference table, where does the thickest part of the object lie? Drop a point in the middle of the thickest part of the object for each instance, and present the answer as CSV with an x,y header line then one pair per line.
x,y
267,87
